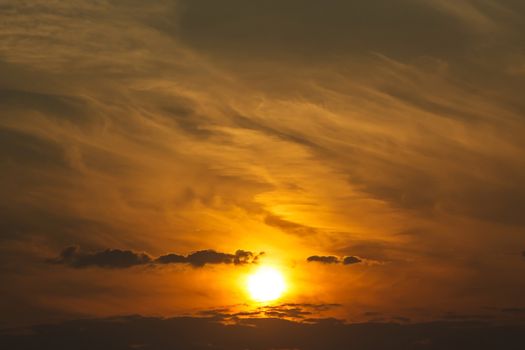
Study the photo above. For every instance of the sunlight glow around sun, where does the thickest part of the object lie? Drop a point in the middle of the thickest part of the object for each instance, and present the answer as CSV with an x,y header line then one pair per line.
x,y
266,284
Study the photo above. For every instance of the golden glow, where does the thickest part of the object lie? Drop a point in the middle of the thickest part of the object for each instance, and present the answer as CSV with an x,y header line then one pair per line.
x,y
266,284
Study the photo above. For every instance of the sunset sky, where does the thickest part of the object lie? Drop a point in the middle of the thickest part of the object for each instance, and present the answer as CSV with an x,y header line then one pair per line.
x,y
155,154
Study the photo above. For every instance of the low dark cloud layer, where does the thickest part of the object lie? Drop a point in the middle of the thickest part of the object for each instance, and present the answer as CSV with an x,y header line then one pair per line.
x,y
116,258
330,259
288,311
136,332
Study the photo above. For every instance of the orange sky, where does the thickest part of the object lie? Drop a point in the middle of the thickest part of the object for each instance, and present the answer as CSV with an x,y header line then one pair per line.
x,y
393,133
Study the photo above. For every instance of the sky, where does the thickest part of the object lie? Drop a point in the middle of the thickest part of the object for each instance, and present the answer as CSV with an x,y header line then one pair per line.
x,y
155,154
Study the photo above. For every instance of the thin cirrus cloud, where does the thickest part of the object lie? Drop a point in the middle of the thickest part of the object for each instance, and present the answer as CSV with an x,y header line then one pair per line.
x,y
118,259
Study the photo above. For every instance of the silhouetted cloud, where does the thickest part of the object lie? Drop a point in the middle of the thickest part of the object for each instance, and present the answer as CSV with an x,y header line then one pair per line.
x,y
116,258
137,332
209,256
109,258
323,259
289,311
330,259
171,259
348,260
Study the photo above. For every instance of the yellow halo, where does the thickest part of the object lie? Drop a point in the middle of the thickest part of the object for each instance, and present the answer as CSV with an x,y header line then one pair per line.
x,y
266,284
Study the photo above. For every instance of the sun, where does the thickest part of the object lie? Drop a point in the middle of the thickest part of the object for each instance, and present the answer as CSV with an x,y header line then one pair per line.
x,y
266,284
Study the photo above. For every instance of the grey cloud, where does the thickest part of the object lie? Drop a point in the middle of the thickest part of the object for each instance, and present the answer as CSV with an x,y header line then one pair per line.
x,y
116,258
203,257
330,259
323,259
109,258
29,149
289,311
285,135
288,226
171,259
52,105
348,260
178,111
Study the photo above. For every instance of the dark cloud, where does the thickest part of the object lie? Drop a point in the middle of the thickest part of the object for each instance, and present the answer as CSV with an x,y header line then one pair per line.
x,y
116,258
171,259
136,332
289,311
209,256
348,260
204,257
109,258
65,107
330,259
285,135
323,259
313,29
289,226
28,149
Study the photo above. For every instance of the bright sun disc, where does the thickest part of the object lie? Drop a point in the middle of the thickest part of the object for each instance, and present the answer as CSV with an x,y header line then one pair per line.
x,y
266,284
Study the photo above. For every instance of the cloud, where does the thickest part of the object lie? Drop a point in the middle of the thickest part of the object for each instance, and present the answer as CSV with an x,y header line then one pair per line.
x,y
289,311
60,107
209,256
288,226
128,332
109,258
330,259
348,260
292,27
384,116
26,149
116,258
323,259
171,259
